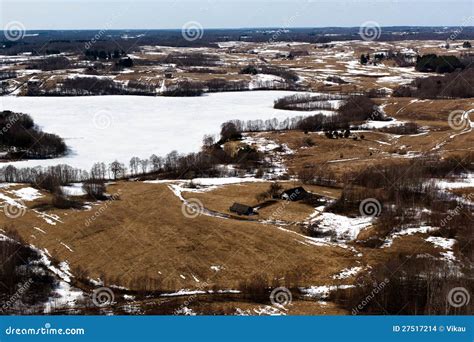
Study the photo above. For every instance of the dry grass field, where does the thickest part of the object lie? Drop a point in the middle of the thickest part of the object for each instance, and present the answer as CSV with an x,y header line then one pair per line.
x,y
143,238
342,155
223,197
145,234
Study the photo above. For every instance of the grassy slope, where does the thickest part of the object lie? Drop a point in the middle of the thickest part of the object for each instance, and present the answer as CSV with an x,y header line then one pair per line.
x,y
145,234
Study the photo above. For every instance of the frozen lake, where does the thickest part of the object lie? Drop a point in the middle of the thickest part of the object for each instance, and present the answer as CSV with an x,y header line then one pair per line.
x,y
106,128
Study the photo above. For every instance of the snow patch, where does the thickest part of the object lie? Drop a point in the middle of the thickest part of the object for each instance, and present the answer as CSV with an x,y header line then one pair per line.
x,y
217,268
74,189
348,272
408,231
27,194
322,292
345,228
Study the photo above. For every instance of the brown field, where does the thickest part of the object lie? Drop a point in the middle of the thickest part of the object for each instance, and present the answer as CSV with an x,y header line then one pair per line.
x,y
342,155
126,243
292,212
144,234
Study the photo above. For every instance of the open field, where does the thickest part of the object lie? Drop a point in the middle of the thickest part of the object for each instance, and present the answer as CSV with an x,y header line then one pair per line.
x,y
378,148
223,197
120,243
125,242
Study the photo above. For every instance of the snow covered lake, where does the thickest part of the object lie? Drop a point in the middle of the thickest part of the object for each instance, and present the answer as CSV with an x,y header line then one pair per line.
x,y
108,128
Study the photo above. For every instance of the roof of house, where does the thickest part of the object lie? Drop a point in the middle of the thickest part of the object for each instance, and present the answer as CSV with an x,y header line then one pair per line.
x,y
294,193
241,208
297,189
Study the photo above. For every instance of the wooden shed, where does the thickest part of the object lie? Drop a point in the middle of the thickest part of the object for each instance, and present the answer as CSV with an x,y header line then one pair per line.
x,y
241,209
294,194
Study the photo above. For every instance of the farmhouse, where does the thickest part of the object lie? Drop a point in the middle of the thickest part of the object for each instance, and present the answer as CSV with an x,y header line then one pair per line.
x,y
241,209
294,194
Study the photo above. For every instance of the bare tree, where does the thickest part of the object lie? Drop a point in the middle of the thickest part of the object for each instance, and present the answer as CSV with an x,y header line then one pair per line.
x,y
144,164
98,171
117,169
171,160
207,141
156,162
134,164
94,189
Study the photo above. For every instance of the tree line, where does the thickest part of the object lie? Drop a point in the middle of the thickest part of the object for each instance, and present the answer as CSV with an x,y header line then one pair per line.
x,y
22,139
308,102
356,109
87,86
459,84
288,75
439,64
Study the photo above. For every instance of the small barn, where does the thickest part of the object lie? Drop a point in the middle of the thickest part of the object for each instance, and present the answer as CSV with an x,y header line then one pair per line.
x,y
294,194
241,209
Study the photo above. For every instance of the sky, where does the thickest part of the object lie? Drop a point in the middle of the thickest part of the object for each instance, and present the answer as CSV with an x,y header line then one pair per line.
x,y
173,14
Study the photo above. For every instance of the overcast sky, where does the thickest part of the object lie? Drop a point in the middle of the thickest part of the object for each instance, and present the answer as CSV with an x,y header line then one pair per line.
x,y
162,14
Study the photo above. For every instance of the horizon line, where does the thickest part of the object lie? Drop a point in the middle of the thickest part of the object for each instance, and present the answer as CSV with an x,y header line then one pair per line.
x,y
237,28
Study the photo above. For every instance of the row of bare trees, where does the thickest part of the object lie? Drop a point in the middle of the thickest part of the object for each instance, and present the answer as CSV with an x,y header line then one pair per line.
x,y
308,102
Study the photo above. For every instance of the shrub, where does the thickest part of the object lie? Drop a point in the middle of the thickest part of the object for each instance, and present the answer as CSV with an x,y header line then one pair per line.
x,y
229,132
360,108
94,189
255,288
313,230
191,59
249,69
124,63
16,271
51,63
49,182
307,102
60,201
185,88
91,86
262,196
317,175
